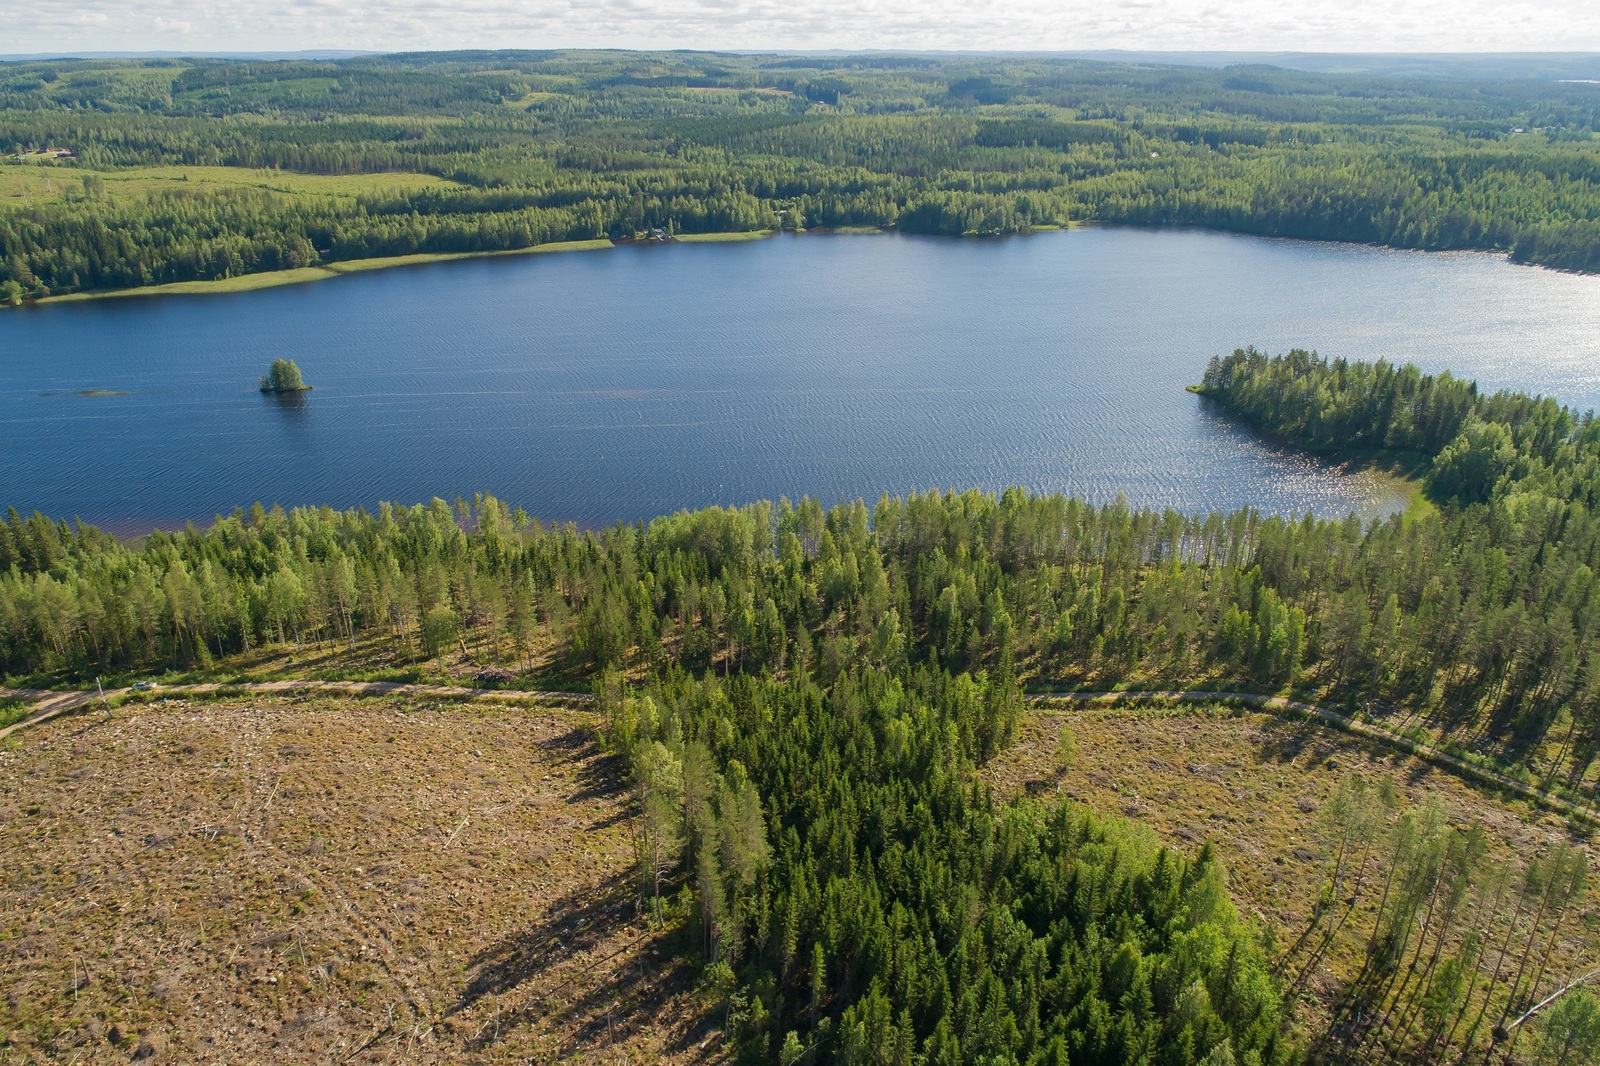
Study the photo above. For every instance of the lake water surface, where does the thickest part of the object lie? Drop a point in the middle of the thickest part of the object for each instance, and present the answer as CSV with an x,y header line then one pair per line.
x,y
626,383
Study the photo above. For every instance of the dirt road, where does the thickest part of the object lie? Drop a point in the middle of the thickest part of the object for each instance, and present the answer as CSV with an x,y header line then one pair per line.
x,y
51,703
1366,730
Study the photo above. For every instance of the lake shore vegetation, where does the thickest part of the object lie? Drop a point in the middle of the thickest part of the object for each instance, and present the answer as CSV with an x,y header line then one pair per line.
x,y
304,275
811,705
1056,589
187,171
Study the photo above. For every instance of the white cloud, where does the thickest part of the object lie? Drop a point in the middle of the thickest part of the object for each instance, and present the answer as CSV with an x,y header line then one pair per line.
x,y
1309,25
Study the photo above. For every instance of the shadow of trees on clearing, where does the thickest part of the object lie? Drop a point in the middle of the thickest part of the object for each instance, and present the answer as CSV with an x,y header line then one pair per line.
x,y
1289,739
600,775
590,968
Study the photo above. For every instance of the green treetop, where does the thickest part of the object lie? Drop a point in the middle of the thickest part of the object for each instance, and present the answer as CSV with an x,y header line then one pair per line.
x,y
283,377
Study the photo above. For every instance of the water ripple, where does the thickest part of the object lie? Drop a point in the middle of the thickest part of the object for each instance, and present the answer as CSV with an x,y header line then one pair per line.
x,y
621,385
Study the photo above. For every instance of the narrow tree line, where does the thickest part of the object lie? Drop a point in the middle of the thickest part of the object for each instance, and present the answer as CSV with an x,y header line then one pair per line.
x,y
1457,946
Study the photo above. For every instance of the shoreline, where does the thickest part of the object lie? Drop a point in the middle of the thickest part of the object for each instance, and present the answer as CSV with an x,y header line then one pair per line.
x,y
272,279
720,237
1406,471
136,530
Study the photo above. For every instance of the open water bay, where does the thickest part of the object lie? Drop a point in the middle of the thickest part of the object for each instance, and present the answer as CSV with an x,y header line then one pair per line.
x,y
620,384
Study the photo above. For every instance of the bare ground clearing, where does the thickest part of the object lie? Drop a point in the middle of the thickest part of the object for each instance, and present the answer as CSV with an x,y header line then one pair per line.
x,y
1253,784
316,879
408,877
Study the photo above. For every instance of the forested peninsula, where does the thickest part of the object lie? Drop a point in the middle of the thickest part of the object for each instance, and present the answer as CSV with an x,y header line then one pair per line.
x,y
810,703
130,173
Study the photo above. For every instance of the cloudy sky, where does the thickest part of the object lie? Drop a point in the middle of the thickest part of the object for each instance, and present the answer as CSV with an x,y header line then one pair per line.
x,y
1306,25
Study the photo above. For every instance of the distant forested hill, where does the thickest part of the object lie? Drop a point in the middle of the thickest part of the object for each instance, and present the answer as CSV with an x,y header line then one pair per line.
x,y
525,148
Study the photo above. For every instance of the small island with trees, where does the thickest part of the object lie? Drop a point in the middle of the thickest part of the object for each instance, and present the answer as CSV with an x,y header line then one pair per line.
x,y
283,377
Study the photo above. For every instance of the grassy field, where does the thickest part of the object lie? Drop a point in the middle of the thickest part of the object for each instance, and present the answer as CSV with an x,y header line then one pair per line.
x,y
356,266
1419,506
242,283
34,183
297,880
722,238
734,90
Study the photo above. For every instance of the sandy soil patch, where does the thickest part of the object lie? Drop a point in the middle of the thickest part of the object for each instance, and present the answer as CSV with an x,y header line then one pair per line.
x,y
321,879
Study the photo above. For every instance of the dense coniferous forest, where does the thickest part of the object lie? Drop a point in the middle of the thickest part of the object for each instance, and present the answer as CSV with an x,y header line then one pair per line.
x,y
531,148
805,698
845,867
1486,607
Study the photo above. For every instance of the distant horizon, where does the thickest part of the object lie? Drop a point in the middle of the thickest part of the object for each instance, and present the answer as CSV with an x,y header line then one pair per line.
x,y
242,53
1575,65
1353,27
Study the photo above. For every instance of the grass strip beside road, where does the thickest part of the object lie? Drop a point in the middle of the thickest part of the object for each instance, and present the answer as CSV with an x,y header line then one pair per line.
x,y
52,703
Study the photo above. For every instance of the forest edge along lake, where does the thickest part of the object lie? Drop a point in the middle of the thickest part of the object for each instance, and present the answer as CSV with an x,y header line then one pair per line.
x,y
599,388
304,275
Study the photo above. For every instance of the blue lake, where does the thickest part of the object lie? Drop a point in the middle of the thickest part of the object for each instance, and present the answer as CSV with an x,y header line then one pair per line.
x,y
620,384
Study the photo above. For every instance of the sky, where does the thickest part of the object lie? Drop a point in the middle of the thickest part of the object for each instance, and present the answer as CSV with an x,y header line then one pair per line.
x,y
964,25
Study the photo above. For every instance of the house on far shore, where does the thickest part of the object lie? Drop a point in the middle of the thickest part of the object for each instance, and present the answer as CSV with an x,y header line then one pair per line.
x,y
58,153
